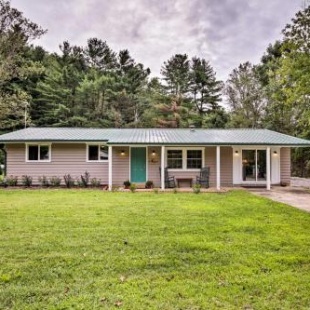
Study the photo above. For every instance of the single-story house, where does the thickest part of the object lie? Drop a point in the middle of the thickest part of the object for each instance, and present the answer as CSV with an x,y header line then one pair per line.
x,y
235,156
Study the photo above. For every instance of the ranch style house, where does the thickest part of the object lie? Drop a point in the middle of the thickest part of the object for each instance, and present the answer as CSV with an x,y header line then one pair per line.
x,y
234,157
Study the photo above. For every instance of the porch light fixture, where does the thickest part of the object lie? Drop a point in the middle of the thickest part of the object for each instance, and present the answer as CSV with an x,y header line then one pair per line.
x,y
153,153
275,152
236,152
122,152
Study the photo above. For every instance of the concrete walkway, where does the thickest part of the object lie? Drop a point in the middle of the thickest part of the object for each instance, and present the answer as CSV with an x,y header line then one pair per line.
x,y
297,197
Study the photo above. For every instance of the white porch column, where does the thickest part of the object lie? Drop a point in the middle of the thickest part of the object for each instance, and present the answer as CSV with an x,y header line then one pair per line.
x,y
162,165
268,170
218,167
110,167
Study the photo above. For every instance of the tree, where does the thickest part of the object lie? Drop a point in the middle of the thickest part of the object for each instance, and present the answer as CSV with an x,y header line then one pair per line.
x,y
290,86
205,92
57,93
128,100
176,73
99,55
171,115
245,96
16,32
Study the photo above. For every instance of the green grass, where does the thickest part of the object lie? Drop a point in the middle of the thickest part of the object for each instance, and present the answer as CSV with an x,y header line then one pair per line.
x,y
85,249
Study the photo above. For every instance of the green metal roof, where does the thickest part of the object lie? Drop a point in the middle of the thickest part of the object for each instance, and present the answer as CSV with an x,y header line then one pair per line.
x,y
153,136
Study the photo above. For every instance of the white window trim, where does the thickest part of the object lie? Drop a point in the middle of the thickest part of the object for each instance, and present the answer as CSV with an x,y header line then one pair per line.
x,y
39,160
184,157
98,160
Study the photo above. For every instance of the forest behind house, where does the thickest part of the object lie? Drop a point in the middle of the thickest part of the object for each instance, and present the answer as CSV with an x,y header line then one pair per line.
x,y
95,86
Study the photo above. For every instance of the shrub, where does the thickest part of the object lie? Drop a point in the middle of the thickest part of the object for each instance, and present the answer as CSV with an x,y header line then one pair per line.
x,y
78,182
127,184
68,180
27,180
3,181
95,182
196,188
44,181
55,181
133,187
84,179
149,184
11,180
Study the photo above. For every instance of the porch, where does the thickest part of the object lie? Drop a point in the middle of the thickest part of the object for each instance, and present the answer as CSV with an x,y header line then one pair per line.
x,y
226,164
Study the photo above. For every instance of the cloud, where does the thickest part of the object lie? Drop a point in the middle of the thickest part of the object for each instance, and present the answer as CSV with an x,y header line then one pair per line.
x,y
225,32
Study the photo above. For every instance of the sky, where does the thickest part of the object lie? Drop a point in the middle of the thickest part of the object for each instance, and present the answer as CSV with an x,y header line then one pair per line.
x,y
224,32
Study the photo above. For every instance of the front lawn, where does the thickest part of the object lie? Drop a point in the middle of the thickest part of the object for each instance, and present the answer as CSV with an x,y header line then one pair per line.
x,y
88,249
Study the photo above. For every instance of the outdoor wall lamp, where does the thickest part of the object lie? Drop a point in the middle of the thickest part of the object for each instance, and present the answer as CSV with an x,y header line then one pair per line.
x,y
275,152
236,152
122,152
153,153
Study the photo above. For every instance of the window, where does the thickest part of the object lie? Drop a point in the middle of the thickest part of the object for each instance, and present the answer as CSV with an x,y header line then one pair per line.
x,y
38,152
174,159
185,158
194,159
97,153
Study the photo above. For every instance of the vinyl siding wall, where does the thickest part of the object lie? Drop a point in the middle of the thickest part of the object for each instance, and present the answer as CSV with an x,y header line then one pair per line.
x,y
65,159
71,159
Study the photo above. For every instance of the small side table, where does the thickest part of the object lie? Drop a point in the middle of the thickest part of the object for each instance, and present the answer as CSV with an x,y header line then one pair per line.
x,y
183,180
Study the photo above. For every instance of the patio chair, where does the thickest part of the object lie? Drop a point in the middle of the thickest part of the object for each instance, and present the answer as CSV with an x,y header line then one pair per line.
x,y
203,178
169,180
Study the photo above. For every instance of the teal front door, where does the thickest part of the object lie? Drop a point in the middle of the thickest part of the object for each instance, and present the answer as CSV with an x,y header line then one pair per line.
x,y
138,165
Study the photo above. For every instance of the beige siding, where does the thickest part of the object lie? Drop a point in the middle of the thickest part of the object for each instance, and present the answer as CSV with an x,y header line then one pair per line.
x,y
65,158
226,166
120,165
71,158
285,165
153,165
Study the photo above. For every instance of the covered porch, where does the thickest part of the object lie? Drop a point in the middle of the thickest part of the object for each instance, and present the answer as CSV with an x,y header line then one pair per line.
x,y
139,163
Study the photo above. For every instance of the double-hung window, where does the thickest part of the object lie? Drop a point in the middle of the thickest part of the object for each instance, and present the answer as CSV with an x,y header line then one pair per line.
x,y
38,152
194,159
175,159
97,152
185,158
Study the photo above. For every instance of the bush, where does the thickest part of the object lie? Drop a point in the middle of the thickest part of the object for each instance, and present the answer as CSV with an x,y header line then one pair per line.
x,y
27,180
44,181
149,184
68,180
55,181
133,187
127,184
3,181
196,188
11,180
95,182
84,179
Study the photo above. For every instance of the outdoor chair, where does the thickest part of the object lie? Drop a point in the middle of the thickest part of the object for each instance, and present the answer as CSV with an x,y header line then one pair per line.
x,y
169,180
203,178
